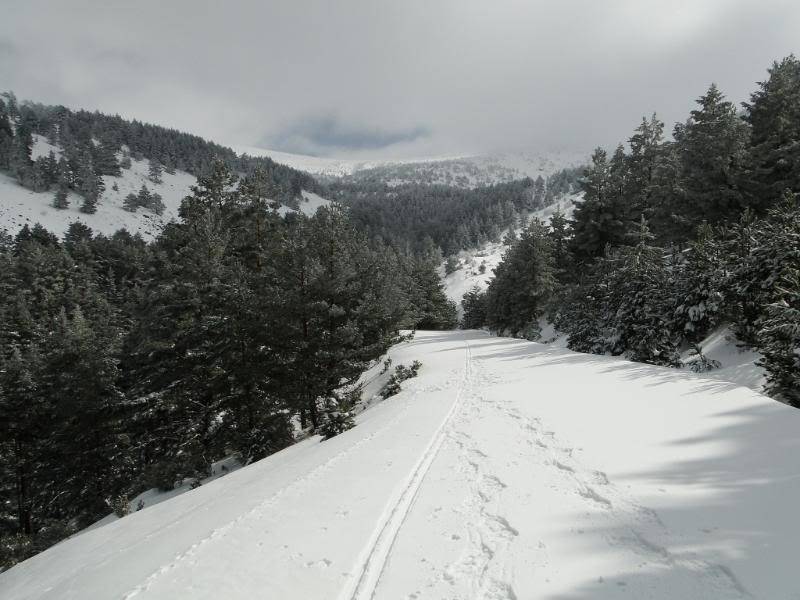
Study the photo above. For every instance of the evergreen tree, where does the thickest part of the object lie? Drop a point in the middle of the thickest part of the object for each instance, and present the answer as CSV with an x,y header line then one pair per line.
x,y
155,171
130,202
522,284
6,137
774,117
699,288
779,339
538,193
104,159
712,146
61,198
90,185
474,306
602,218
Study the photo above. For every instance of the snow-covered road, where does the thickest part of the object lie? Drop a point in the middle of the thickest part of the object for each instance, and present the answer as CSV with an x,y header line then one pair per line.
x,y
506,470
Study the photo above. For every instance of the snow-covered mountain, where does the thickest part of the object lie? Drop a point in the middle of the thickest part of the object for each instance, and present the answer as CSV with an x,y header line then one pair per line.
x,y
460,171
20,206
506,470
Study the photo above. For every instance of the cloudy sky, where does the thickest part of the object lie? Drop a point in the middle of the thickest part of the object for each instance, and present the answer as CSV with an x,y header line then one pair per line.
x,y
393,79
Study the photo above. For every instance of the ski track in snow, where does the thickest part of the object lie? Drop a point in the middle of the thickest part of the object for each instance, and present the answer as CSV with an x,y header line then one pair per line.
x,y
375,555
257,511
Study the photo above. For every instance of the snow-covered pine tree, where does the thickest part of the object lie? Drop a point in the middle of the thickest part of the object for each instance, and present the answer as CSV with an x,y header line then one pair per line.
x,y
90,185
61,197
130,202
699,286
774,117
474,306
523,282
711,147
155,170
779,339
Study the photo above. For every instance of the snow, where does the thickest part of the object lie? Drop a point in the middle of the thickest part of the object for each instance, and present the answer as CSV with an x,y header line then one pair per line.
x,y
737,363
19,206
506,469
309,203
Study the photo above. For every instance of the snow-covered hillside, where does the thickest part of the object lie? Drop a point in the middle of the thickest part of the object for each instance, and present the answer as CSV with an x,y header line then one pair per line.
x,y
506,470
470,273
460,171
19,206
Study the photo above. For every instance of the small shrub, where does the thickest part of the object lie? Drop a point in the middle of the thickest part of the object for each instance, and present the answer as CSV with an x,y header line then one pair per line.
x,y
121,505
401,373
338,414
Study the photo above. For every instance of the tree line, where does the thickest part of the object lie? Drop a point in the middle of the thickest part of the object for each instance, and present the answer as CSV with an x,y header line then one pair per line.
x,y
672,239
127,365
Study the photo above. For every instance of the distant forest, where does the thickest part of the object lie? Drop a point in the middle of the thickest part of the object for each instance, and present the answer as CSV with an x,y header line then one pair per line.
x,y
449,218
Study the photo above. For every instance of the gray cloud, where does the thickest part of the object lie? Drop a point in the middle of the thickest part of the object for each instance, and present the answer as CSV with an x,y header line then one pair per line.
x,y
407,78
321,135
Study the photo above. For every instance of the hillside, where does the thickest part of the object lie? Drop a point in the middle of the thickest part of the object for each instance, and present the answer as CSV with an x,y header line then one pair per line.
x,y
458,171
612,479
20,206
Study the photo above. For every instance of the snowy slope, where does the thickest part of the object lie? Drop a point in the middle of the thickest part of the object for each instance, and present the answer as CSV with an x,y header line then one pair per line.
x,y
461,171
19,206
468,275
506,470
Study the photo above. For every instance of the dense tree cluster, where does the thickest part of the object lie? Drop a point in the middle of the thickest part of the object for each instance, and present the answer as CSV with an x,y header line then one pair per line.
x,y
451,218
127,365
672,239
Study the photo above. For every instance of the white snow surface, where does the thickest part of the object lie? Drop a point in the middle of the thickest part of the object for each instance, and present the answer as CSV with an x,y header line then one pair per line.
x,y
506,469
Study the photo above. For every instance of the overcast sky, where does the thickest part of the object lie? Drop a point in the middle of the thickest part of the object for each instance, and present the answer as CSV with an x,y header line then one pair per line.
x,y
398,79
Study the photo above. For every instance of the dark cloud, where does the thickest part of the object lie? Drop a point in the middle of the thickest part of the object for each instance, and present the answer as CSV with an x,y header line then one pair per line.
x,y
406,78
321,135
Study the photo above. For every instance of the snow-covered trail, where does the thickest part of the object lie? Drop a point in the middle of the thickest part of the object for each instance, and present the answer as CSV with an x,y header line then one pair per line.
x,y
506,470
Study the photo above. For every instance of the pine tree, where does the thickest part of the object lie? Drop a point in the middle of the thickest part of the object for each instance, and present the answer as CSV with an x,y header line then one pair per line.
x,y
130,202
779,339
6,137
645,146
155,171
712,146
699,288
559,237
602,218
539,190
61,198
156,204
145,198
90,185
523,282
633,310
474,306
774,117
104,159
